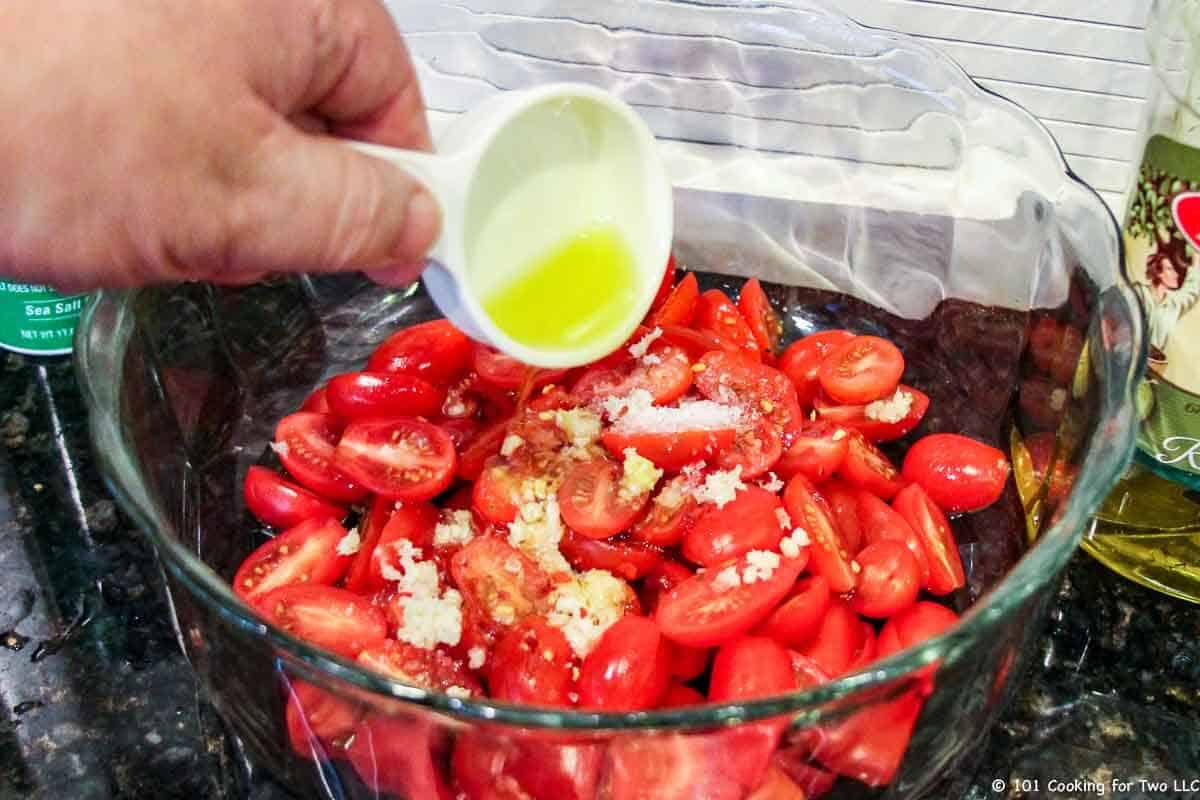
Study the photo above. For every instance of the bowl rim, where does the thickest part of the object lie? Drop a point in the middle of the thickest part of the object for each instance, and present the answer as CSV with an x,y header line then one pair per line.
x,y
1037,567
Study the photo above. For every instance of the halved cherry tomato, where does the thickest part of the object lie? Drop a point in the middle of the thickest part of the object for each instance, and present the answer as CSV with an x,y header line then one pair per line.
x,y
759,389
764,321
881,522
680,306
316,714
672,767
778,785
889,581
717,314
669,516
816,452
282,504
799,617
695,342
937,541
304,554
498,767
813,781
756,448
862,370
317,402
750,521
462,432
801,361
667,286
680,694
628,670
871,743
959,473
671,451
503,583
532,664
553,397
592,502
404,459
1054,348
827,553
622,556
839,638
336,620
435,350
399,756
497,492
305,442
370,529
665,575
428,669
667,377
808,673
376,395
413,522
487,444
688,663
750,667
867,468
842,499
505,372
875,430
920,621
704,611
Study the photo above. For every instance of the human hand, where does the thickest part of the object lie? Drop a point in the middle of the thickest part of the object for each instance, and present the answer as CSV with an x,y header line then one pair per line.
x,y
149,141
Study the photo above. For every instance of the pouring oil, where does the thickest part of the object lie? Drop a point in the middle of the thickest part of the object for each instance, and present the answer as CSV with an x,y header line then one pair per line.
x,y
577,293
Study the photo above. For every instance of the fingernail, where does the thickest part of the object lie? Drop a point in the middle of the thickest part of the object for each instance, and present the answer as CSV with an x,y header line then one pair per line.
x,y
422,223
397,274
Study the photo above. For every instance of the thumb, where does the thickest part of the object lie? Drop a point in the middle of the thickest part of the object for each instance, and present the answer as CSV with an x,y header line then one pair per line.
x,y
316,205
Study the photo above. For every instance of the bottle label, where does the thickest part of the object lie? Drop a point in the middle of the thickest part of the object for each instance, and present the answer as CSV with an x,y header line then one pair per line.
x,y
1162,261
36,320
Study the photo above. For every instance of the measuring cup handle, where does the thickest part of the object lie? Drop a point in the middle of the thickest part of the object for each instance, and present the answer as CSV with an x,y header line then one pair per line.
x,y
431,170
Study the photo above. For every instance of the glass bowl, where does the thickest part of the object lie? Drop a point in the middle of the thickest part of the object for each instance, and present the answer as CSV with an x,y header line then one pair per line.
x,y
869,183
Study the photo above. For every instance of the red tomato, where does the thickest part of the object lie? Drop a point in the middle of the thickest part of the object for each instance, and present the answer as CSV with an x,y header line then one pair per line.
x,y
960,474
756,449
801,361
867,649
621,556
862,370
399,755
704,611
778,786
688,663
867,468
748,668
672,767
305,554
680,306
305,443
842,499
807,672
666,287
404,459
813,781
670,451
871,743
316,402
665,575
695,342
497,493
799,617
937,541
816,452
717,314
429,669
435,350
628,670
591,501
826,551
670,514
336,620
476,453
414,522
667,379
764,322
532,664
880,522
1041,447
462,432
921,621
855,416
837,640
376,395
370,528
748,522
759,389
283,504
500,581
505,372
487,767
1055,348
1043,403
889,581
680,694
317,718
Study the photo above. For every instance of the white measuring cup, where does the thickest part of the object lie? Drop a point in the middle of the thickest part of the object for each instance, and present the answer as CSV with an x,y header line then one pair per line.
x,y
521,174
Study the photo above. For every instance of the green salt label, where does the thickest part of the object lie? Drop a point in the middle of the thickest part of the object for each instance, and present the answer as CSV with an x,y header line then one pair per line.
x,y
36,320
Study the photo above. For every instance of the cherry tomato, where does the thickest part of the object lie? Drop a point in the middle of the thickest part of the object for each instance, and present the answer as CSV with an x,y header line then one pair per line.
x,y
816,452
688,663
505,372
669,516
867,649
889,581
915,624
532,664
304,554
750,667
875,430
756,449
960,474
759,389
799,617
317,402
462,433
1055,348
748,522
680,306
399,756
867,468
553,397
837,640
305,442
862,370
763,320
413,522
778,786
696,342
592,502
801,361
497,493
316,714
336,620
680,694
500,581
376,395
704,610
807,672
283,504
813,781
937,541
493,767
1042,403
881,522
370,528
1041,447
435,350
628,670
479,449
717,314
623,557
667,377
404,459
672,767
665,575
871,743
826,551
671,451
842,499
428,669
666,287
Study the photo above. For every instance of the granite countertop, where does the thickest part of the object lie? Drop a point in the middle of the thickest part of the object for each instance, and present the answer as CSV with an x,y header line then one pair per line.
x,y
97,702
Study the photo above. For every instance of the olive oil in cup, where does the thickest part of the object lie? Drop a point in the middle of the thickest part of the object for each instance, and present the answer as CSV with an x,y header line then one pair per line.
x,y
556,222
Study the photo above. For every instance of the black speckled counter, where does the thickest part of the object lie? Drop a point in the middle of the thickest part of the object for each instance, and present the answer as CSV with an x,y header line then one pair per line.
x,y
97,702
